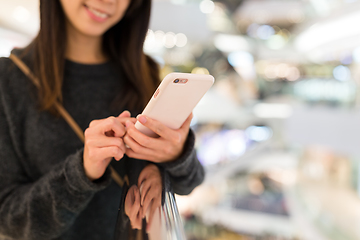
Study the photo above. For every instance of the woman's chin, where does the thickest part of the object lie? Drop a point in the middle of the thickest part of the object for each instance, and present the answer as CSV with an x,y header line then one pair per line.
x,y
92,31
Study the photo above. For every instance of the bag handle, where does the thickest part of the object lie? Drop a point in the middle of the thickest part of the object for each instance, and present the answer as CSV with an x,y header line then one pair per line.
x,y
65,114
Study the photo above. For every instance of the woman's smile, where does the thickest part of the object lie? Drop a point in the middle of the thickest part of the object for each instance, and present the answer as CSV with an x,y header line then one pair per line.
x,y
96,14
94,17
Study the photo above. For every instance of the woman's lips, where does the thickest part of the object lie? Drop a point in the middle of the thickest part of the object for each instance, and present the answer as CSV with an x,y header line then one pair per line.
x,y
96,15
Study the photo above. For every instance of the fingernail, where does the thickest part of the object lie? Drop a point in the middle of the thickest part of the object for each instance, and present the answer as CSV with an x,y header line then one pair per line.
x,y
127,123
142,119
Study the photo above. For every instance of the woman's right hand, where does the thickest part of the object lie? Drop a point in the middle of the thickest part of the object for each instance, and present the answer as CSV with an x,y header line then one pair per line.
x,y
103,141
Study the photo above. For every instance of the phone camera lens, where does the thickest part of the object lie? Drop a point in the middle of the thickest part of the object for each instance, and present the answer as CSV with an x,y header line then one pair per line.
x,y
176,80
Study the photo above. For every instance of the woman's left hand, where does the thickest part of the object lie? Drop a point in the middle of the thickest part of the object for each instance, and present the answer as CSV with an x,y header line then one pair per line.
x,y
165,148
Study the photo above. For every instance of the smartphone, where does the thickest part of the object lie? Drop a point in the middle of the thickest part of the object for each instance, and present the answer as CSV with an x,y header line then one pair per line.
x,y
174,99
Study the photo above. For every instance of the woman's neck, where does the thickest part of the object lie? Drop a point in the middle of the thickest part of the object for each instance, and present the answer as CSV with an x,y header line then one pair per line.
x,y
84,49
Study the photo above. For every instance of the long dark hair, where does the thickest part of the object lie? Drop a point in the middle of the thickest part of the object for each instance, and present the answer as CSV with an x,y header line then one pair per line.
x,y
123,44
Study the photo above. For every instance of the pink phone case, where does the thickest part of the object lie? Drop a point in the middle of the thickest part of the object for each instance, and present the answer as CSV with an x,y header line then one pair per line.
x,y
175,98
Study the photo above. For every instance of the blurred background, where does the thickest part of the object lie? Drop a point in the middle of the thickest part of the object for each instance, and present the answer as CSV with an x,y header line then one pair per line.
x,y
279,132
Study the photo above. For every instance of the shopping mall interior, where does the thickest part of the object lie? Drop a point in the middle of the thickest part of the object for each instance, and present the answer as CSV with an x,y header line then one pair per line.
x,y
279,132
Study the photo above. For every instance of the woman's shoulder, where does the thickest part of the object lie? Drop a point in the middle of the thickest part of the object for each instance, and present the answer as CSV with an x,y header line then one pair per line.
x,y
7,69
5,64
13,82
9,72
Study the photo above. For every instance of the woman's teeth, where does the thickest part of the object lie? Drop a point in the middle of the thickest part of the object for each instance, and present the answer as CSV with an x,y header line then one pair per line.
x,y
97,13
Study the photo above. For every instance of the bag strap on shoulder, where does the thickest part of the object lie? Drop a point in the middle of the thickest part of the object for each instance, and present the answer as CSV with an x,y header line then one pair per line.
x,y
65,114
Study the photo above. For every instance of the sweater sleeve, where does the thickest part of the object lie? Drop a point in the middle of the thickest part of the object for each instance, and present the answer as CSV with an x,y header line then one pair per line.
x,y
186,172
45,208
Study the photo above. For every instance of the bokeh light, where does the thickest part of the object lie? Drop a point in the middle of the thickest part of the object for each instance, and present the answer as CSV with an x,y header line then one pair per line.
x,y
169,40
207,6
258,133
240,58
265,32
200,70
342,73
181,40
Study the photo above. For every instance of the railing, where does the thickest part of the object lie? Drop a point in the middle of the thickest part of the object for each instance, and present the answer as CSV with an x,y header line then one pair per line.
x,y
173,224
167,222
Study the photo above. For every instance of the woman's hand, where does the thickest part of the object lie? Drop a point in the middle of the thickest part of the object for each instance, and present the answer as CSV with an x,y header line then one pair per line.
x,y
132,207
165,148
103,141
150,185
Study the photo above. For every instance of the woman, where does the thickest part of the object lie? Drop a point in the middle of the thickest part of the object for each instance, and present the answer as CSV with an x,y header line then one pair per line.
x,y
88,56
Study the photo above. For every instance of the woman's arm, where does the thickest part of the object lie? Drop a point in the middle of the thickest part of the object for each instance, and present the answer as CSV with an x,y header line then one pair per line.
x,y
186,172
45,208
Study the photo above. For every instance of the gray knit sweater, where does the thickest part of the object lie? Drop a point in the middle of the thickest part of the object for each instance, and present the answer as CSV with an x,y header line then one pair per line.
x,y
44,193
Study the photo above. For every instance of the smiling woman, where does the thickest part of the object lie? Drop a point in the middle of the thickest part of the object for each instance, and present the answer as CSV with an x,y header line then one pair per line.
x,y
94,18
88,59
